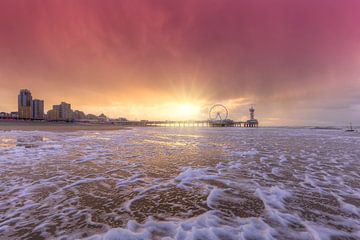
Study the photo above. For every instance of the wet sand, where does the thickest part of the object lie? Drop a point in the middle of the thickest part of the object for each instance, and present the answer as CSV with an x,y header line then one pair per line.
x,y
180,183
55,126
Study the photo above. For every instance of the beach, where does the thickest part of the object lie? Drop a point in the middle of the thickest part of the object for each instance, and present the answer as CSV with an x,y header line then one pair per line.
x,y
180,183
55,126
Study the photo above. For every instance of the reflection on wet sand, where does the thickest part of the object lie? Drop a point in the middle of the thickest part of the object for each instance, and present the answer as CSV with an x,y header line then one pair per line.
x,y
30,141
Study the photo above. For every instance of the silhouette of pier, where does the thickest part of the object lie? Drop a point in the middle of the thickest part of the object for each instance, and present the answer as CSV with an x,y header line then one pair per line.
x,y
189,123
217,118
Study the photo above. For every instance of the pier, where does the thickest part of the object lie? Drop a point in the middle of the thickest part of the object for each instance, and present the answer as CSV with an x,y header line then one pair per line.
x,y
217,118
205,123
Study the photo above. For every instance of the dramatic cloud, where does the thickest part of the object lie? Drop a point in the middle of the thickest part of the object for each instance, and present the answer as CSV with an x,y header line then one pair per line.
x,y
298,61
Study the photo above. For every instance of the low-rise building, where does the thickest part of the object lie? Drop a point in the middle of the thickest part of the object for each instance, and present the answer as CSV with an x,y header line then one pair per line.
x,y
79,115
4,115
14,115
61,112
103,118
91,116
53,114
122,119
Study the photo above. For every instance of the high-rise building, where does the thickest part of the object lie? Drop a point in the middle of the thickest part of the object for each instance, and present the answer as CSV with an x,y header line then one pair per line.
x,y
24,104
37,109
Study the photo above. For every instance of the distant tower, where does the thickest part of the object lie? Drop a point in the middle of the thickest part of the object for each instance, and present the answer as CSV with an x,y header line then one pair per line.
x,y
24,104
252,113
252,122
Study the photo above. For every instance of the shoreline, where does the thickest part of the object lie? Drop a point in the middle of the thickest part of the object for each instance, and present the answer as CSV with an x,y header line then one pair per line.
x,y
57,126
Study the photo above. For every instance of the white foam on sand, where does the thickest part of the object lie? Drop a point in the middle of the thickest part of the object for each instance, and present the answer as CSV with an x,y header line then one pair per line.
x,y
172,184
206,226
189,175
274,196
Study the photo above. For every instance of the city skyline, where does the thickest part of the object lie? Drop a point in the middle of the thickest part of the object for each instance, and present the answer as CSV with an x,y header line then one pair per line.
x,y
30,108
33,110
297,61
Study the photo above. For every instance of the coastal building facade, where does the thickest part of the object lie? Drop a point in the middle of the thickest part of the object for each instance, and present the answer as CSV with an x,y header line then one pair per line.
x,y
24,104
53,114
37,109
61,112
79,115
103,118
65,111
29,108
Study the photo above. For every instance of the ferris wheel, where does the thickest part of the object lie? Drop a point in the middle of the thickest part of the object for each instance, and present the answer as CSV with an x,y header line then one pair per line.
x,y
218,112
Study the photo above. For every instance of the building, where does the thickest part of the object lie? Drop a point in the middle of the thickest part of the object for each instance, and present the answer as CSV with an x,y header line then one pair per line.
x,y
29,108
103,118
122,119
24,104
79,115
91,116
66,114
4,115
53,115
14,115
61,112
37,109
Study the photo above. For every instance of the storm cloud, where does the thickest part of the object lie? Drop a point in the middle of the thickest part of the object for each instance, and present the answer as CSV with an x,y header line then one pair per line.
x,y
281,55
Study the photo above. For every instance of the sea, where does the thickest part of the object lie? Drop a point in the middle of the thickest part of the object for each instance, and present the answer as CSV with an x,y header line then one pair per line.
x,y
180,183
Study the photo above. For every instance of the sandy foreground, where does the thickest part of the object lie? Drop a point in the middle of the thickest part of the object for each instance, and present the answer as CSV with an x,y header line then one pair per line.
x,y
171,183
54,126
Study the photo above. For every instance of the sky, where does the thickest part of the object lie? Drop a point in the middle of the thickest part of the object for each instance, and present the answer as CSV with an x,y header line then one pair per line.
x,y
297,62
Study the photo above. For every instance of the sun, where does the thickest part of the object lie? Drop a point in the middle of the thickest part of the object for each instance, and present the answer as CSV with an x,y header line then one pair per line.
x,y
177,111
187,110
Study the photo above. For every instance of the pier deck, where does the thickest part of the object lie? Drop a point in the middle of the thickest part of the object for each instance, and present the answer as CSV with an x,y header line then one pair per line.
x,y
204,123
